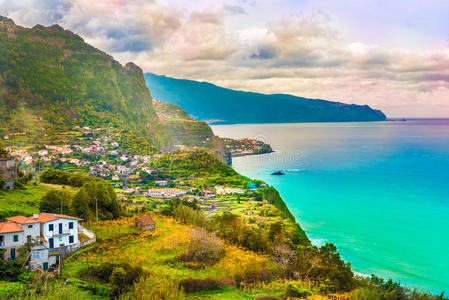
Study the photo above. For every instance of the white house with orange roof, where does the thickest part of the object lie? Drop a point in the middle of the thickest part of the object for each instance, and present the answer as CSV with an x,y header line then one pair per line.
x,y
11,238
52,233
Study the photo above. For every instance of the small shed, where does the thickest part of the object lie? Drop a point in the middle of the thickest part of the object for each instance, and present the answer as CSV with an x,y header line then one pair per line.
x,y
145,223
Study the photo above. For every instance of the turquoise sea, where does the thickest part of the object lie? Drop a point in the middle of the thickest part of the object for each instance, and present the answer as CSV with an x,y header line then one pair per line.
x,y
379,191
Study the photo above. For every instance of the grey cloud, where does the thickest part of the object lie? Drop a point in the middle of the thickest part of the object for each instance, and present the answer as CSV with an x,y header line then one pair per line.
x,y
264,52
234,9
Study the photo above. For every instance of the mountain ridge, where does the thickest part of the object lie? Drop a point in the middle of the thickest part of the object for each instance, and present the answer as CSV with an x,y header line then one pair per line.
x,y
234,106
52,80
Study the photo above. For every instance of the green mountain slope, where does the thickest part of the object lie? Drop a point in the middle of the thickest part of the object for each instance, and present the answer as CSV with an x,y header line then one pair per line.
x,y
183,129
215,104
51,80
189,134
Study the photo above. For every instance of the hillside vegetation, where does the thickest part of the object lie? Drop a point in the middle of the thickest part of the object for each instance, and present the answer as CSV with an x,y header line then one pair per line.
x,y
184,130
215,104
51,80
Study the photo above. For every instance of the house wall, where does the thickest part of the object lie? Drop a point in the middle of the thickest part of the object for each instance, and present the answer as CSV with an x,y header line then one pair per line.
x,y
8,243
66,232
39,257
8,239
149,227
34,231
8,167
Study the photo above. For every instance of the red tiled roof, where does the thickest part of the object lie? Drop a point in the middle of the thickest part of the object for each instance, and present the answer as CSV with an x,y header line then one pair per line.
x,y
41,218
145,221
59,216
29,220
6,227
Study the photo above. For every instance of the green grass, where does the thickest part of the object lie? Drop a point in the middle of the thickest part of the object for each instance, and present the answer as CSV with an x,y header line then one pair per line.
x,y
25,201
7,289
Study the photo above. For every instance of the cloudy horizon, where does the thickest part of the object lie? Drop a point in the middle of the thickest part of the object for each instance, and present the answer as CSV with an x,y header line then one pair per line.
x,y
391,56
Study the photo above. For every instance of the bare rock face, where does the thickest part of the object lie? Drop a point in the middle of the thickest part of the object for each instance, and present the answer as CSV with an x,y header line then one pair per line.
x,y
7,24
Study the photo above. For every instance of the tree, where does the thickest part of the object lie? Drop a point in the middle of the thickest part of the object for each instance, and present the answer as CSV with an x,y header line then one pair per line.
x,y
276,232
55,176
3,152
96,194
56,201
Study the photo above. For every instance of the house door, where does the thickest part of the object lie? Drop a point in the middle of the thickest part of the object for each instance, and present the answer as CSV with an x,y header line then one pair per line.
x,y
13,253
52,243
45,265
60,228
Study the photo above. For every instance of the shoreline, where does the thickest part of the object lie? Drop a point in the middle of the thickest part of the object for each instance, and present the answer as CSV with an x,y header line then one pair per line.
x,y
259,172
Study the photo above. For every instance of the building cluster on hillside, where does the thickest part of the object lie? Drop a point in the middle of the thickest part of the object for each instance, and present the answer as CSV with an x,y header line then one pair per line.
x,y
51,236
8,171
246,146
223,190
100,156
165,193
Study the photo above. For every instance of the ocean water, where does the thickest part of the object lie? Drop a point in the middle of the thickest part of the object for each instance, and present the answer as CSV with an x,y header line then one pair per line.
x,y
379,191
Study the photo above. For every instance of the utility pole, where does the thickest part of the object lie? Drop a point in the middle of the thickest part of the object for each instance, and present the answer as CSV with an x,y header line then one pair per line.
x,y
96,207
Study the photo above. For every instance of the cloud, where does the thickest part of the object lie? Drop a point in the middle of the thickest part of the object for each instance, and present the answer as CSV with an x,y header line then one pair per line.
x,y
234,9
232,43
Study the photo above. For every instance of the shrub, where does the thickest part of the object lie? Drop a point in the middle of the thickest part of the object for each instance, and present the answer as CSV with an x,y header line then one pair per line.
x,y
202,248
189,215
324,265
228,226
174,203
253,274
154,287
120,275
255,239
21,181
118,280
53,289
9,270
191,285
365,293
284,257
294,291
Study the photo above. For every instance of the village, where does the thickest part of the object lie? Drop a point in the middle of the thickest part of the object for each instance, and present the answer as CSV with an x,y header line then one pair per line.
x,y
97,153
138,186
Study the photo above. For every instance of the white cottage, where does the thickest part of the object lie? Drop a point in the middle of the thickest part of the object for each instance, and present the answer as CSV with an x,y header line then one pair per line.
x,y
53,233
11,238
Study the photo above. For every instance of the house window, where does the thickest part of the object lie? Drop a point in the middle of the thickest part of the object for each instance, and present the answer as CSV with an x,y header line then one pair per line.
x,y
70,225
30,226
29,238
16,238
36,255
71,239
50,227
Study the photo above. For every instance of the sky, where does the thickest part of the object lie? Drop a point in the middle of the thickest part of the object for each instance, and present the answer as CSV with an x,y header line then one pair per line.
x,y
391,55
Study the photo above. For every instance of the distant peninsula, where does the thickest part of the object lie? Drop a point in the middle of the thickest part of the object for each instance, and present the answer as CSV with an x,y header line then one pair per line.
x,y
218,105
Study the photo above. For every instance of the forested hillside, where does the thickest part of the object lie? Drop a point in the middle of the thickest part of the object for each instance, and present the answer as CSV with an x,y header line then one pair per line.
x,y
215,104
51,80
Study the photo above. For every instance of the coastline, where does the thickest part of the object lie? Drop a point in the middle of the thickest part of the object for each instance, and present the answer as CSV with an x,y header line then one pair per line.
x,y
252,154
352,175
